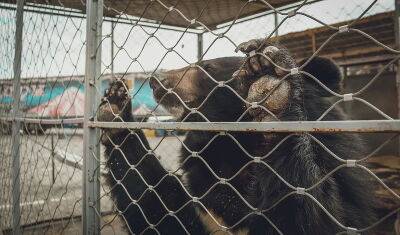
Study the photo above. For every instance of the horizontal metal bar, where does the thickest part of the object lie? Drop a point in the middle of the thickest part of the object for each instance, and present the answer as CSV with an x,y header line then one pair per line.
x,y
44,121
66,12
71,13
292,126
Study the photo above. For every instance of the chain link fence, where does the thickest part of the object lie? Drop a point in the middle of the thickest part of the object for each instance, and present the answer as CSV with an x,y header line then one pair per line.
x,y
167,117
43,99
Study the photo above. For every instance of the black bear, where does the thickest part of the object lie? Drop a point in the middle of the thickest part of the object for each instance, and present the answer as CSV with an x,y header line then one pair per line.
x,y
239,182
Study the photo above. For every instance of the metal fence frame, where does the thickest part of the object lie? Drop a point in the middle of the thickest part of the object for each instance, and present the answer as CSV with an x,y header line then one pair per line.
x,y
91,179
16,124
91,183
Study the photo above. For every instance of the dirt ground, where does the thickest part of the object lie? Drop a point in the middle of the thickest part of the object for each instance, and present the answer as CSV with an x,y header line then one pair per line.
x,y
51,182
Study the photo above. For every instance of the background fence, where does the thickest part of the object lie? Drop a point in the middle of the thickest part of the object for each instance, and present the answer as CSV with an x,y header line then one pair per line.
x,y
58,58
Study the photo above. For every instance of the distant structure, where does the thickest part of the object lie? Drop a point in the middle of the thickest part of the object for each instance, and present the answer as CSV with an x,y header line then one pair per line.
x,y
57,97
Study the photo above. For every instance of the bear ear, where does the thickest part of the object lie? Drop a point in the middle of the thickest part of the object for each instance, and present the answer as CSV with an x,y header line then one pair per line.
x,y
326,71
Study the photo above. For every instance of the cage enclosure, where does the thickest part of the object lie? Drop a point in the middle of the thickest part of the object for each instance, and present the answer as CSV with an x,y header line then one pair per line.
x,y
199,117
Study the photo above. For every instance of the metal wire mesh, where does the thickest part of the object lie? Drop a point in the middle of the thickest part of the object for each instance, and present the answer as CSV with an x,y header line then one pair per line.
x,y
157,170
7,53
50,113
218,38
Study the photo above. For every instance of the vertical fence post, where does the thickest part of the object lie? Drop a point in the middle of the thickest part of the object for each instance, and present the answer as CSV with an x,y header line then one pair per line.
x,y
53,154
112,48
199,45
397,37
91,167
16,124
276,23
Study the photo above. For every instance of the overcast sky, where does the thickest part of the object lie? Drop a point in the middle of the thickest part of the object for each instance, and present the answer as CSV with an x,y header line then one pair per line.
x,y
54,46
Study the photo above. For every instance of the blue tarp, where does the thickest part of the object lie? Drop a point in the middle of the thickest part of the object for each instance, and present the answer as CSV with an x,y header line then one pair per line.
x,y
6,100
144,96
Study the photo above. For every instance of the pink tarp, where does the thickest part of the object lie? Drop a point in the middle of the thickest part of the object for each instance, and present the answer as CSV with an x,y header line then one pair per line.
x,y
69,104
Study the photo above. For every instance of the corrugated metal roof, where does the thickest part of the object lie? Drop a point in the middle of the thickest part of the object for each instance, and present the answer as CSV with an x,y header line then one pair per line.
x,y
210,13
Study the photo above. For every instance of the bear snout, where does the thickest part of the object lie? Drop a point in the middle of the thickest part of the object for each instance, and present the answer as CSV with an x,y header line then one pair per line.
x,y
154,84
158,85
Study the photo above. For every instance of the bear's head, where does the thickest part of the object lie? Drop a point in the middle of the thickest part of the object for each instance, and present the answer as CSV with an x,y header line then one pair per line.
x,y
196,87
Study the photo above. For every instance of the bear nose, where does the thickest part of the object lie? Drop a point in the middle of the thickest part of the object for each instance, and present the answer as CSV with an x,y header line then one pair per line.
x,y
154,84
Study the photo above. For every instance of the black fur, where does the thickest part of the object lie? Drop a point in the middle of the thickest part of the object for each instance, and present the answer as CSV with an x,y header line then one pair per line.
x,y
132,167
299,160
326,71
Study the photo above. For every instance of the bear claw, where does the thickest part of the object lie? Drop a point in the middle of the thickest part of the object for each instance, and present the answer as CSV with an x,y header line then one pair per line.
x,y
115,107
115,102
257,65
247,47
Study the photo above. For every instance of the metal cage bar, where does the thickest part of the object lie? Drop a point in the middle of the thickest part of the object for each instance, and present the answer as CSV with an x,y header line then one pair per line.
x,y
91,151
16,124
397,37
287,126
91,174
200,46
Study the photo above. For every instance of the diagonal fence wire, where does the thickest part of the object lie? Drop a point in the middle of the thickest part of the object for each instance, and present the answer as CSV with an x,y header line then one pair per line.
x,y
53,59
195,110
51,96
